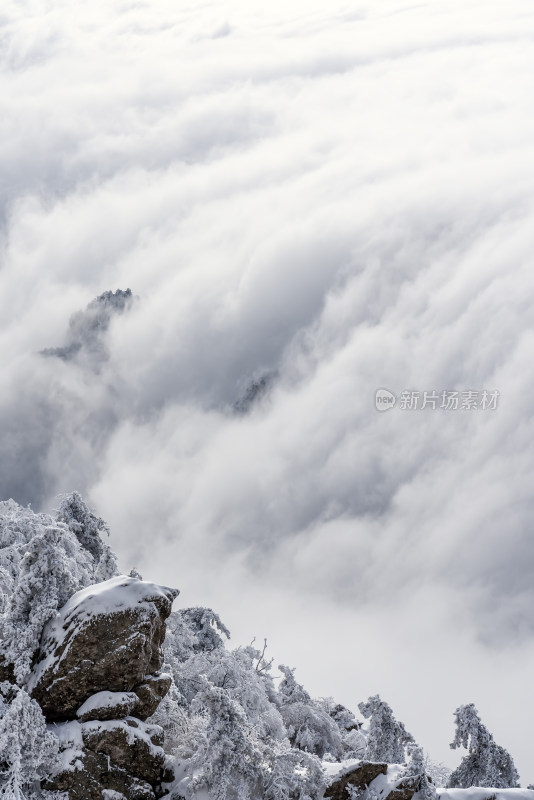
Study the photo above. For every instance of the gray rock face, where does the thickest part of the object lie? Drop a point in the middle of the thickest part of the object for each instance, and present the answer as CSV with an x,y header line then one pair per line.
x,y
150,693
94,772
106,638
130,744
98,664
123,755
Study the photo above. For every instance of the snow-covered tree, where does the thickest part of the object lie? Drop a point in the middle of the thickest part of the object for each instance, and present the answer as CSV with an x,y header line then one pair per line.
x,y
225,702
387,738
27,749
88,529
416,771
308,725
231,762
486,763
292,774
353,742
438,772
43,562
191,631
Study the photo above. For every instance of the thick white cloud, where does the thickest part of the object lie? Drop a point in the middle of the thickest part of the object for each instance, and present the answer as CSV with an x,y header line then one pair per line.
x,y
339,196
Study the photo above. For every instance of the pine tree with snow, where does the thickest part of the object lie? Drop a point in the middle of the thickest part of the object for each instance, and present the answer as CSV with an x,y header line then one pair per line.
x,y
387,738
486,763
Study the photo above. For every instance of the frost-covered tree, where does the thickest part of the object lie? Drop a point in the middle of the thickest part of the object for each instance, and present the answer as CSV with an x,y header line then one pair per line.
x,y
416,771
486,763
238,763
88,529
27,749
192,649
308,725
43,562
353,742
231,762
438,772
387,738
191,631
224,703
342,716
292,774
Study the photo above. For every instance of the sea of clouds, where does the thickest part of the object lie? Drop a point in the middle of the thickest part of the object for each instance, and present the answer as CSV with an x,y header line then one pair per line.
x,y
324,199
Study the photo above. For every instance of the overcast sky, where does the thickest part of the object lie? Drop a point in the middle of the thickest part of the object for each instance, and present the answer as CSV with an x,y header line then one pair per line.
x,y
335,197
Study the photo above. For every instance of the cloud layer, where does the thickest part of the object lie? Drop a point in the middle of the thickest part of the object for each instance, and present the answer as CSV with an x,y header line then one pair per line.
x,y
339,199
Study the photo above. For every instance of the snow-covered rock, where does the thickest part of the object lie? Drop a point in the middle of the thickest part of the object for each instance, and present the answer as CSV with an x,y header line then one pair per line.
x,y
107,705
350,773
123,756
107,637
130,744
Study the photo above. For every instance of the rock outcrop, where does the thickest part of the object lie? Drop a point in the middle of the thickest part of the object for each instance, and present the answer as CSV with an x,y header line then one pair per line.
x,y
405,788
359,778
107,705
107,637
97,679
150,693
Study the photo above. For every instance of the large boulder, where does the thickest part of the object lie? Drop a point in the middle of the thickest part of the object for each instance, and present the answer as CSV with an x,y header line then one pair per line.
x,y
108,638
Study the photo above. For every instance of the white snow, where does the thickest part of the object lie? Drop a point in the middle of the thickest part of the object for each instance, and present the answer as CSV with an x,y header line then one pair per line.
x,y
71,746
483,793
336,769
114,594
68,733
